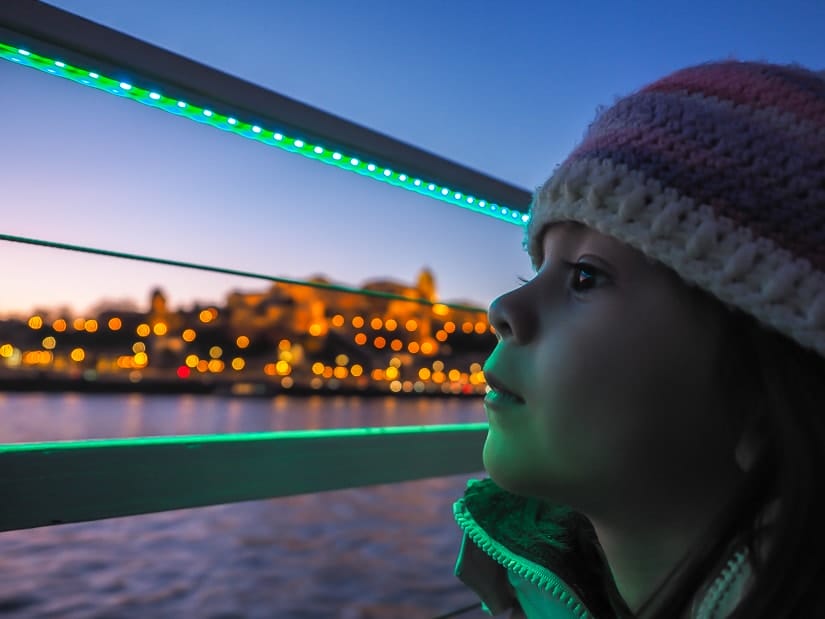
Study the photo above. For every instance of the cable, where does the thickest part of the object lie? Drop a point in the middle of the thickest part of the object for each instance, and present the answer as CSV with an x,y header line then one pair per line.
x,y
201,267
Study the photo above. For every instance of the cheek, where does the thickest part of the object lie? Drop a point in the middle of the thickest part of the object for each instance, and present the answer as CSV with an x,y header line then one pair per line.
x,y
638,401
602,392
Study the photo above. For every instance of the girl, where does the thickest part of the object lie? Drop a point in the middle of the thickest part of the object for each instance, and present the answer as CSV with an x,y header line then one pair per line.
x,y
656,440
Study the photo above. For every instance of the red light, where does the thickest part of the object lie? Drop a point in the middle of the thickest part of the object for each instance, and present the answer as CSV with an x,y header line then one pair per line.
x,y
183,372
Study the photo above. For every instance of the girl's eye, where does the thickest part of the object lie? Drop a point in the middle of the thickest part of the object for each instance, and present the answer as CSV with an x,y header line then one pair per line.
x,y
582,273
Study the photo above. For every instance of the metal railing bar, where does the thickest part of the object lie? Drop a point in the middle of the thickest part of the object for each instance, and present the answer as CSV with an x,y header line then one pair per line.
x,y
77,481
85,43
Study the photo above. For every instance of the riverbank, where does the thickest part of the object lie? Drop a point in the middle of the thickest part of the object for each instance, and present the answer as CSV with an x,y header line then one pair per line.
x,y
212,387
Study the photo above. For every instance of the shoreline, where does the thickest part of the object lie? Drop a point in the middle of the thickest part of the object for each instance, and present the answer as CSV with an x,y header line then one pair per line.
x,y
30,384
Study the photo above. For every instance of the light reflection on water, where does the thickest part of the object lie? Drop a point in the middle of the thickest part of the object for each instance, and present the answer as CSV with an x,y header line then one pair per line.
x,y
385,551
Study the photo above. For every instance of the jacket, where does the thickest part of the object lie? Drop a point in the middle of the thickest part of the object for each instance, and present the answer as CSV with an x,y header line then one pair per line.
x,y
561,573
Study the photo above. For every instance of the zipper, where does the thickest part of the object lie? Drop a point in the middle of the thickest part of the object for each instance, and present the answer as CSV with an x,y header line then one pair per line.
x,y
713,598
541,577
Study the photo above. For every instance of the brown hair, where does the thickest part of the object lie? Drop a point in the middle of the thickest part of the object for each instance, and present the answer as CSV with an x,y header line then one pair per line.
x,y
783,385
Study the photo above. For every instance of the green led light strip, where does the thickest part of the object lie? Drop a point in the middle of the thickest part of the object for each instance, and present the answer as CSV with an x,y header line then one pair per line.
x,y
263,135
246,437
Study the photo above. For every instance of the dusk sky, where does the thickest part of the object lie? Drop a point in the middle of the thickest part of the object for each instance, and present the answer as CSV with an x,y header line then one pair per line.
x,y
504,87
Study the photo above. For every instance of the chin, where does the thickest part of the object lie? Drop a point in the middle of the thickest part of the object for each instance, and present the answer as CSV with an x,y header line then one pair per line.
x,y
505,472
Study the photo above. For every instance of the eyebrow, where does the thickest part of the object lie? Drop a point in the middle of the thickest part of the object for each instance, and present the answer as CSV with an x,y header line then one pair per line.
x,y
574,229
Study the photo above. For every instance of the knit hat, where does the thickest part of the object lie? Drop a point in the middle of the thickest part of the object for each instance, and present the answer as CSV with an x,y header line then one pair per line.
x,y
718,172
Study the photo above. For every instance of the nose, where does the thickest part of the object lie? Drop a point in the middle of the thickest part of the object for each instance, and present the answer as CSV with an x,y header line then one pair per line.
x,y
513,315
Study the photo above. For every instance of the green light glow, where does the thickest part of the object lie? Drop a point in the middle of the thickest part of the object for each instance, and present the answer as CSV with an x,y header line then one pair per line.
x,y
264,135
196,440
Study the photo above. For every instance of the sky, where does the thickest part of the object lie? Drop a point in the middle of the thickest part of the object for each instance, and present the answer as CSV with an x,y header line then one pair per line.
x,y
507,88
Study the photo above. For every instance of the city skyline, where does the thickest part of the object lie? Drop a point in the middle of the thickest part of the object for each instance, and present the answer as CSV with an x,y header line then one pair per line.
x,y
388,338
140,300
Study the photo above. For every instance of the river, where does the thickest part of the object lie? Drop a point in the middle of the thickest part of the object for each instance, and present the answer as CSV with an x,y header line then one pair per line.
x,y
380,552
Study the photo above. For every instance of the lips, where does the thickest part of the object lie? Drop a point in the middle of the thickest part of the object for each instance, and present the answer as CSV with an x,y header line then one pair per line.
x,y
500,389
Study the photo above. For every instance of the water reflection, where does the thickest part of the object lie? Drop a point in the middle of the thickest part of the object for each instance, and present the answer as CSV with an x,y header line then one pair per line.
x,y
31,417
380,551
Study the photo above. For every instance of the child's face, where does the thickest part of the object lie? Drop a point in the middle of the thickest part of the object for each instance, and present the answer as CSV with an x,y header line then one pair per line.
x,y
615,370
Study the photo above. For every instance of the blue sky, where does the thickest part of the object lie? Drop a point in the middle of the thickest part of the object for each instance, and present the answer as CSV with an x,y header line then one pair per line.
x,y
504,87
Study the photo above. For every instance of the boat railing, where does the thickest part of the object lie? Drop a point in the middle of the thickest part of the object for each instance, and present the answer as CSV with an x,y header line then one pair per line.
x,y
74,481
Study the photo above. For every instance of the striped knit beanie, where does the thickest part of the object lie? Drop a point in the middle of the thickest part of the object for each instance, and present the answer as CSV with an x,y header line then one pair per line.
x,y
718,172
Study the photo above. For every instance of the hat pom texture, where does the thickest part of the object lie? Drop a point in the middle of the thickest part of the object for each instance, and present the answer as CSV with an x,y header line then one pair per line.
x,y
718,172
